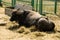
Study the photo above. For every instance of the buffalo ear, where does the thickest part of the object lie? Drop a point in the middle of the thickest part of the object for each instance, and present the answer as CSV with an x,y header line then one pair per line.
x,y
46,18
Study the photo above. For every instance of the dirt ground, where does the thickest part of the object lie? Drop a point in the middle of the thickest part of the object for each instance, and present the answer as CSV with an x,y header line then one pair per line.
x,y
24,33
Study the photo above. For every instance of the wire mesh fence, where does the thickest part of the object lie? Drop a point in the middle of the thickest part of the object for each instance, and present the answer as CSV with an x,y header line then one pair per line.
x,y
7,2
42,6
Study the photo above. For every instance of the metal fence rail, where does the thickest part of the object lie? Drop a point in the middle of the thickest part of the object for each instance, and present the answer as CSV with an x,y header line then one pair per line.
x,y
39,5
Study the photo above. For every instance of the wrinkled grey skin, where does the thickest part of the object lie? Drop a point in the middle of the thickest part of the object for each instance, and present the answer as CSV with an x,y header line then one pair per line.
x,y
29,18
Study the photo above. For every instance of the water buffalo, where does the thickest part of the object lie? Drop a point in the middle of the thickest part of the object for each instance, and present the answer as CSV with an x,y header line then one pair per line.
x,y
25,17
29,18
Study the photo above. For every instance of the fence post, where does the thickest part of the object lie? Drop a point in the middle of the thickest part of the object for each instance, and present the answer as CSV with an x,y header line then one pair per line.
x,y
13,3
0,2
40,6
32,3
55,8
36,5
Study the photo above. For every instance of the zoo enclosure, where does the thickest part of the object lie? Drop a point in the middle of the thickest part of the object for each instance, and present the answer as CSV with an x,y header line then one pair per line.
x,y
41,6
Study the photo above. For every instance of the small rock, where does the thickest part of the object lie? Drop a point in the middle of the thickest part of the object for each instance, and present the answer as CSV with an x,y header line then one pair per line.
x,y
2,22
